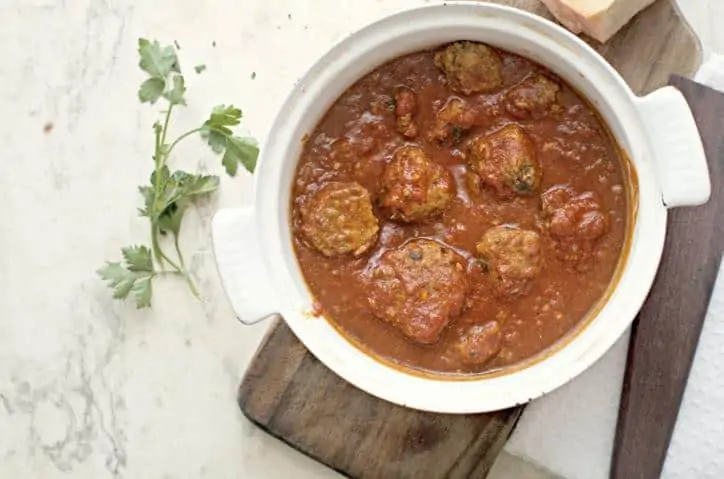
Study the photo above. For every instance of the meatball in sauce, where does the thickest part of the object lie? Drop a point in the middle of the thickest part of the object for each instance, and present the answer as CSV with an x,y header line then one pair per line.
x,y
459,210
414,187
418,288
506,160
339,220
512,257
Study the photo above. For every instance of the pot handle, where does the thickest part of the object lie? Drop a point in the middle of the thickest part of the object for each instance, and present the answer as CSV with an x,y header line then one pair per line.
x,y
679,154
241,265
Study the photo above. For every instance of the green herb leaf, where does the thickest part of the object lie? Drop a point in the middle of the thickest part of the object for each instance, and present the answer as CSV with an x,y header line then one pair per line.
x,y
157,61
169,221
158,182
118,278
216,140
182,185
148,196
240,150
175,95
457,134
178,191
168,196
223,115
151,90
138,258
142,292
133,276
217,132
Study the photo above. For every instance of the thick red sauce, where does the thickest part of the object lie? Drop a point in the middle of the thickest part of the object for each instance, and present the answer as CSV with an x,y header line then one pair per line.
x,y
359,136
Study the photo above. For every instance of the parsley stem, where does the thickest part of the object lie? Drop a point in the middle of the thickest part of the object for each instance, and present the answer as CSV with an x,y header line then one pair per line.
x,y
177,269
159,254
188,133
185,272
165,125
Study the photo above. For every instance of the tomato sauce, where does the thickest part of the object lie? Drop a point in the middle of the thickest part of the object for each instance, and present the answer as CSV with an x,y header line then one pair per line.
x,y
359,136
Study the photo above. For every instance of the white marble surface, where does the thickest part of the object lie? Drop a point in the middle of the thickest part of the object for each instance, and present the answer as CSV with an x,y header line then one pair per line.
x,y
90,387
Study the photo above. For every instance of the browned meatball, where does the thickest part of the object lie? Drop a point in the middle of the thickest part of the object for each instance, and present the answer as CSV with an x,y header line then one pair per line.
x,y
505,161
479,344
532,97
339,220
452,121
405,111
470,67
513,258
575,221
414,187
418,288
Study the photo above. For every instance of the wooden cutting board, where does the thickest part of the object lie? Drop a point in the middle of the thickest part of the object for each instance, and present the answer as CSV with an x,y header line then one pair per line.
x,y
666,334
293,397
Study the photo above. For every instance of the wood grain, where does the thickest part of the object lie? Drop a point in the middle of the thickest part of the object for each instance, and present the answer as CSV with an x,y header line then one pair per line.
x,y
665,337
292,396
289,393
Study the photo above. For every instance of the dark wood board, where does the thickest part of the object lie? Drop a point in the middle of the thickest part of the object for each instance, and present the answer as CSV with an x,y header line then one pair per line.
x,y
293,397
290,394
666,334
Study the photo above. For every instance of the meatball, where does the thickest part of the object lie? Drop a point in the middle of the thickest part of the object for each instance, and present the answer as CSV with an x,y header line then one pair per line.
x,y
479,344
454,119
470,67
418,288
405,111
506,161
513,258
414,187
339,220
574,221
533,97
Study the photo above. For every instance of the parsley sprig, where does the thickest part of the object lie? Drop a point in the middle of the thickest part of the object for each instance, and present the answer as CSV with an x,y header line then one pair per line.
x,y
169,194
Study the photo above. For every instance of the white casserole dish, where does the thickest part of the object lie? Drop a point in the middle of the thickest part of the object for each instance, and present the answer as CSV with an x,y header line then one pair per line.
x,y
253,246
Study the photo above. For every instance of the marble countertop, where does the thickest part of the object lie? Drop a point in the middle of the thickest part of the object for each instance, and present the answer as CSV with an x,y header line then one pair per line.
x,y
91,387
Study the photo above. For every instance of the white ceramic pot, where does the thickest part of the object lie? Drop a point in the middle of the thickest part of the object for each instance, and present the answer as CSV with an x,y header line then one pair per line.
x,y
253,246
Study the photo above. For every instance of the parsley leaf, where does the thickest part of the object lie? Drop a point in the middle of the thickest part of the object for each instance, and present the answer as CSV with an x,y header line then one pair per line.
x,y
169,221
182,185
149,196
138,258
220,138
151,90
166,200
134,276
157,61
240,150
223,116
175,95
168,195
216,140
142,291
